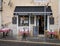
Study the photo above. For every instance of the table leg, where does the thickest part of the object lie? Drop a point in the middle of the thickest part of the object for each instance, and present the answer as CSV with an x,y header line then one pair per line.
x,y
3,34
6,33
51,36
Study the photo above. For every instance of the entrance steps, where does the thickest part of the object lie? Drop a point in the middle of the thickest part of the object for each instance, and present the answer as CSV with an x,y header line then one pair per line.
x,y
42,39
38,39
40,35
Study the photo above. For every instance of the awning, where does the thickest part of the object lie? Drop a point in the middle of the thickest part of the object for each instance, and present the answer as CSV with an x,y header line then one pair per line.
x,y
35,10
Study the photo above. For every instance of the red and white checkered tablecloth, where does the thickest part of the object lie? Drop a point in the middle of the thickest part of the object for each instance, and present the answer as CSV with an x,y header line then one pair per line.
x,y
5,30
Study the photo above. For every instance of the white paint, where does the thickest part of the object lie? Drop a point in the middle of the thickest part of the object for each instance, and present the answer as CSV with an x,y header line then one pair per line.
x,y
15,29
48,28
22,28
29,23
32,12
34,20
17,24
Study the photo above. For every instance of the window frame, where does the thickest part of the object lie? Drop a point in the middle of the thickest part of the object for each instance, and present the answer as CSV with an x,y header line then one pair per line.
x,y
22,22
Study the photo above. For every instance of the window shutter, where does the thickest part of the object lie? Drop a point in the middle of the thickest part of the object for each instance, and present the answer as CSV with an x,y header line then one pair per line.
x,y
14,20
51,19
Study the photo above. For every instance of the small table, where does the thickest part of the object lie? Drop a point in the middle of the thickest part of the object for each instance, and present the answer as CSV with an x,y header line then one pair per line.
x,y
5,30
22,32
51,33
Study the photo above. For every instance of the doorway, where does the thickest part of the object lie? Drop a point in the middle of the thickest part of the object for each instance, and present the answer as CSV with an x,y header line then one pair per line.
x,y
41,24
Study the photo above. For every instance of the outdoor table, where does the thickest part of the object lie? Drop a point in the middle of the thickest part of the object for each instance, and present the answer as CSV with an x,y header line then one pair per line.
x,y
22,32
51,34
5,30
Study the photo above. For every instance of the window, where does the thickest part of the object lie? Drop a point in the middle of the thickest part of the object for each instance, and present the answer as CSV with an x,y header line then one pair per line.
x,y
32,20
0,4
23,21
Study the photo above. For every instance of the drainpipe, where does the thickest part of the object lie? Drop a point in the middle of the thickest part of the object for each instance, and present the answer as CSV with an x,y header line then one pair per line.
x,y
44,17
17,26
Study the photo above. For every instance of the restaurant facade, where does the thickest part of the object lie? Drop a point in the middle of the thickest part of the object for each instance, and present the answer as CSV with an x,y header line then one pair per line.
x,y
33,16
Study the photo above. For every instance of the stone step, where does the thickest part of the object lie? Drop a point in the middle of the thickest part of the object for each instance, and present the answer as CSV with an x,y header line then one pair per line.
x,y
43,39
36,39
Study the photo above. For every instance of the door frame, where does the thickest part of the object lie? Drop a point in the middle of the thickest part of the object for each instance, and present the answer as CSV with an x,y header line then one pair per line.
x,y
41,29
37,23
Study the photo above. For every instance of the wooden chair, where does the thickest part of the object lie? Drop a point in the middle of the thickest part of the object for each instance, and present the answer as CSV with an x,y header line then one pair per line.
x,y
46,34
56,34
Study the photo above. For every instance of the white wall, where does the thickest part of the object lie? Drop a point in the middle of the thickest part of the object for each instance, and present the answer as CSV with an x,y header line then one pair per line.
x,y
59,6
59,14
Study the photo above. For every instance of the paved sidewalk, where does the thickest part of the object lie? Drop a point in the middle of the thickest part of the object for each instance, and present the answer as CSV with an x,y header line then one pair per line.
x,y
25,43
42,39
32,39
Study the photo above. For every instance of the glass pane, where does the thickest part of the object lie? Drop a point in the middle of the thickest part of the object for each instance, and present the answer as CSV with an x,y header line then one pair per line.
x,y
23,21
32,20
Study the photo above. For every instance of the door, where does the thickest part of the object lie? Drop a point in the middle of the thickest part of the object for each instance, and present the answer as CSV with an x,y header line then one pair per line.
x,y
41,24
